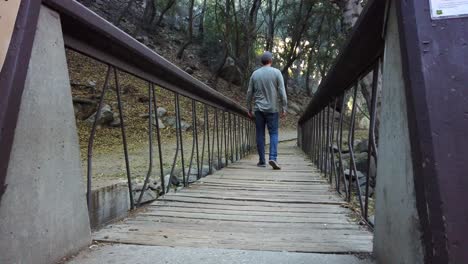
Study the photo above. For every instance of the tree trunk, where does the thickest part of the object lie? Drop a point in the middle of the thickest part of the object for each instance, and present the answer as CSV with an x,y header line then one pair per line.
x,y
164,11
248,40
351,11
201,26
190,31
148,15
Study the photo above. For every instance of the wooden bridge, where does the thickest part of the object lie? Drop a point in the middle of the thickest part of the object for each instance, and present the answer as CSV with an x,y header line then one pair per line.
x,y
415,64
245,207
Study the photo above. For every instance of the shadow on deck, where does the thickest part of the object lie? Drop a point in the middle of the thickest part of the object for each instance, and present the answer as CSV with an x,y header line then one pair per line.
x,y
242,208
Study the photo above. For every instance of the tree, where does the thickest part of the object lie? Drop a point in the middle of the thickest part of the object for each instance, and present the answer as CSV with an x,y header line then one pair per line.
x,y
190,31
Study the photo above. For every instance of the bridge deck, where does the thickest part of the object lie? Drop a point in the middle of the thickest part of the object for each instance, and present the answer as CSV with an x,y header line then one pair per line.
x,y
249,208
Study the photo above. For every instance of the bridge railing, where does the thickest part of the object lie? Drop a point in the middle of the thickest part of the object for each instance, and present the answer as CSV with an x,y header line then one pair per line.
x,y
328,129
227,134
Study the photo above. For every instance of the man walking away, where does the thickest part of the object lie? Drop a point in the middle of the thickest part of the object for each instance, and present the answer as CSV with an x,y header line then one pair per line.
x,y
265,85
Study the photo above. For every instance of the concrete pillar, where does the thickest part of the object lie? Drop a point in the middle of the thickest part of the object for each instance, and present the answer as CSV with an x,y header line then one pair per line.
x,y
43,211
397,233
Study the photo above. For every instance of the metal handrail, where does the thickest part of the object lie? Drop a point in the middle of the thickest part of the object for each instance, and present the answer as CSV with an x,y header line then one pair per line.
x,y
88,33
318,129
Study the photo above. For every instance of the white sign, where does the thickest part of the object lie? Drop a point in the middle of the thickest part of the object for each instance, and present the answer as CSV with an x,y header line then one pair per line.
x,y
441,9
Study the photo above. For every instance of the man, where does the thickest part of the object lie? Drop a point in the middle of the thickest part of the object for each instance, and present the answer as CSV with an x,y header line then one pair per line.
x,y
265,85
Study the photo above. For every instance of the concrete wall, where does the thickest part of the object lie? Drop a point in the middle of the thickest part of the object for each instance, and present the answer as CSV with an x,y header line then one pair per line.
x,y
397,232
109,204
43,214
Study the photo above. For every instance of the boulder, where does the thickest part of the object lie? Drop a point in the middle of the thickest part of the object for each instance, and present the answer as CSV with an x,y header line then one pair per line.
x,y
189,70
116,122
91,84
106,116
83,107
364,123
143,39
160,123
148,196
155,187
171,121
230,72
161,111
361,146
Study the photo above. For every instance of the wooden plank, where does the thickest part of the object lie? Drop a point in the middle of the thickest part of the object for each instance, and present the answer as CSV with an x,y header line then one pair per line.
x,y
250,218
253,228
242,202
213,211
329,199
256,208
299,227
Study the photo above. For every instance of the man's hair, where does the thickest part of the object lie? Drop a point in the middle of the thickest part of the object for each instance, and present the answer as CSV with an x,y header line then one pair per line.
x,y
266,58
267,61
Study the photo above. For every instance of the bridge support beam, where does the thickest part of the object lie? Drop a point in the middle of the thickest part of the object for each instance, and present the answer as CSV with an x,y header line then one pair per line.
x,y
43,212
397,226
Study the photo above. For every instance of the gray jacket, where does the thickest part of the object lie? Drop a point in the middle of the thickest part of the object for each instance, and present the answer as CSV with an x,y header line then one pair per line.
x,y
264,86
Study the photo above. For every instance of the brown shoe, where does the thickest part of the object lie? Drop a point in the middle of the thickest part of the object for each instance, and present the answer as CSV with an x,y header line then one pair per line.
x,y
274,164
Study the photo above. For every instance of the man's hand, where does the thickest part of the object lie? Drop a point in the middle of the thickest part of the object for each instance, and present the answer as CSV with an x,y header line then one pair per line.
x,y
283,114
250,114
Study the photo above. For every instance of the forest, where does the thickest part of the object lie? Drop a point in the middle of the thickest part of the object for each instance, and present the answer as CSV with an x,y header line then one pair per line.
x,y
305,36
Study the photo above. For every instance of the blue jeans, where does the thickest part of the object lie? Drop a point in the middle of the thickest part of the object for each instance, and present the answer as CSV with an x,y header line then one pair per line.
x,y
271,121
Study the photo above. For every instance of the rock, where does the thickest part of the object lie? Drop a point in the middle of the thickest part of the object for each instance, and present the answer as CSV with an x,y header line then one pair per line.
x,y
166,181
191,56
360,175
334,148
161,111
143,39
116,122
230,72
173,180
364,123
361,146
91,84
185,126
171,121
138,187
189,70
155,187
148,196
205,170
361,161
372,220
160,123
106,116
218,165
